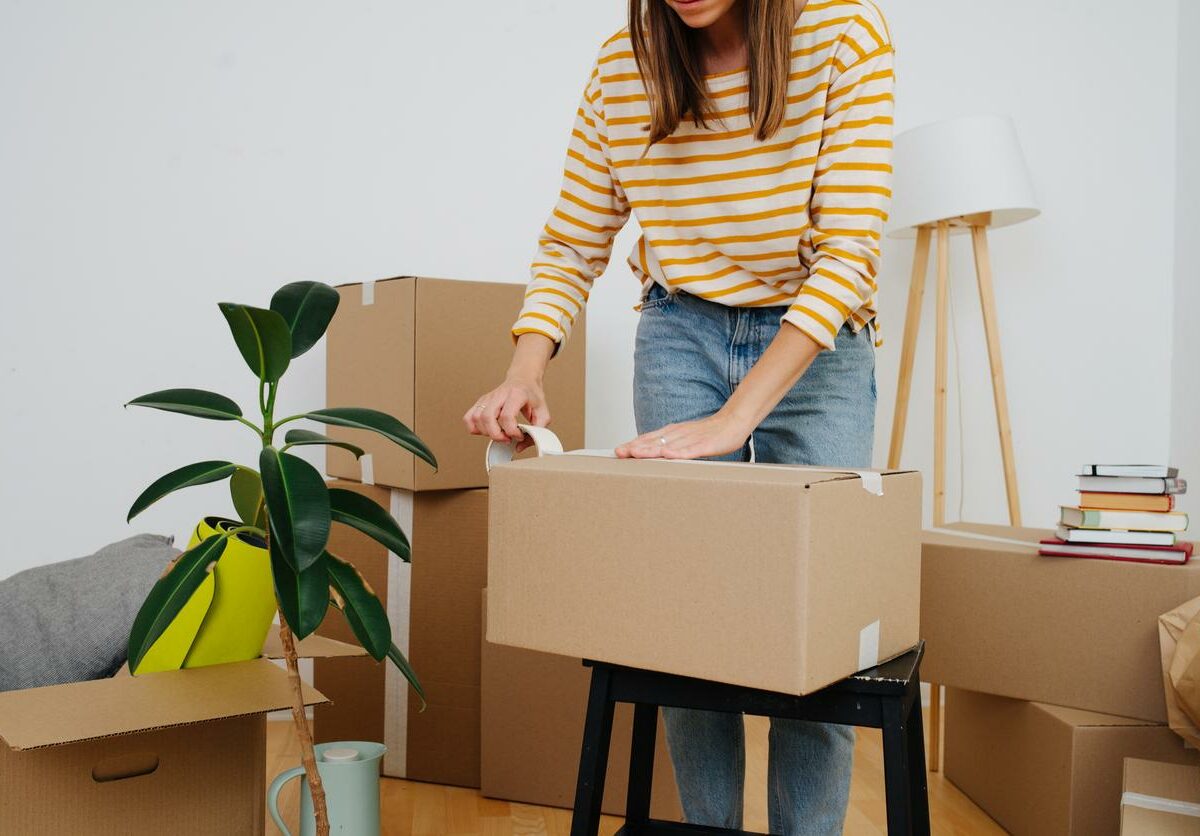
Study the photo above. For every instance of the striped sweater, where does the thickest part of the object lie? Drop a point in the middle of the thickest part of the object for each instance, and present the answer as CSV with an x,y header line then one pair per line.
x,y
792,221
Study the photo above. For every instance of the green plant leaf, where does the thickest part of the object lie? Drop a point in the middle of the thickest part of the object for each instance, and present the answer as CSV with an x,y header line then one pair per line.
x,y
297,506
363,610
405,668
262,337
199,473
303,596
380,422
245,489
168,596
196,402
299,438
361,512
307,307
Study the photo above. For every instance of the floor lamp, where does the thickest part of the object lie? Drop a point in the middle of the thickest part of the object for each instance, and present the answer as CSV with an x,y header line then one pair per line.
x,y
960,176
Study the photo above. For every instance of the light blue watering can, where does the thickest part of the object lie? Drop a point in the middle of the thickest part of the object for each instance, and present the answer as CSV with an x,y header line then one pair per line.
x,y
350,774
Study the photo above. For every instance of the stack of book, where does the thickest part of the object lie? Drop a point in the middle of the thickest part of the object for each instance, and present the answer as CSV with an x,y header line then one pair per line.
x,y
1125,512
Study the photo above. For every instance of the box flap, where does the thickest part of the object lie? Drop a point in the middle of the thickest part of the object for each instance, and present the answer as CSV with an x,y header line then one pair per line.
x,y
1076,717
311,647
979,535
58,714
695,470
1177,782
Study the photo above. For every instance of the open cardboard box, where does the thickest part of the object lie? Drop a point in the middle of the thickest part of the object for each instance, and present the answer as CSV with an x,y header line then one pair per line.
x,y
181,752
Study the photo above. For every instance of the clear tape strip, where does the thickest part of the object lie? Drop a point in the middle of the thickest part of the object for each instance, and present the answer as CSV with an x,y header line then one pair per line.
x,y
1162,805
547,444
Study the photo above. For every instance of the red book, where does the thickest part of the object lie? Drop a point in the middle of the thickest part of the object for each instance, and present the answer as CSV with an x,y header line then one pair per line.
x,y
1176,554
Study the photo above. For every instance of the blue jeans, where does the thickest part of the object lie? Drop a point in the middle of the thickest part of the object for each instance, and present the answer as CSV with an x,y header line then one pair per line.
x,y
690,356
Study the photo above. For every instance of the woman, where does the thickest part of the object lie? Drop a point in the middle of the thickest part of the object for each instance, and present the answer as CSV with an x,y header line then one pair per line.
x,y
752,138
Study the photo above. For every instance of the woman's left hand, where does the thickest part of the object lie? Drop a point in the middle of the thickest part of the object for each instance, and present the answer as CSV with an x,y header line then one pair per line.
x,y
715,435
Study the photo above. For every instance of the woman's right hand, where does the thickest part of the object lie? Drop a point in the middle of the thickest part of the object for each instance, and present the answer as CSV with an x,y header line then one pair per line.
x,y
520,396
497,413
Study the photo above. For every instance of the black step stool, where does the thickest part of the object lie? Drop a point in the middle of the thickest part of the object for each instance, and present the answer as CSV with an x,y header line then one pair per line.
x,y
886,697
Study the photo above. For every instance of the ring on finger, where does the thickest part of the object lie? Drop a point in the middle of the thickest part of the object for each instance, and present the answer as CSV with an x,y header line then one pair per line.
x,y
662,441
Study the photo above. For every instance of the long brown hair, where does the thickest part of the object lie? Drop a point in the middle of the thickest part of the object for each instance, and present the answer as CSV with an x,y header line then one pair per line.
x,y
668,56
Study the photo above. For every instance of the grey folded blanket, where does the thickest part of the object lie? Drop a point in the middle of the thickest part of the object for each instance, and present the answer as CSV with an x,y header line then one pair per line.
x,y
69,621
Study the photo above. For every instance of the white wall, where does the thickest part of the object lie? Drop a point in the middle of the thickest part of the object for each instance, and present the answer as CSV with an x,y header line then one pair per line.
x,y
1185,405
157,158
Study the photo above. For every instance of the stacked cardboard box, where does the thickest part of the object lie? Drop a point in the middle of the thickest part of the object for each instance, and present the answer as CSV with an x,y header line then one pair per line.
x,y
1160,799
532,730
1055,673
423,350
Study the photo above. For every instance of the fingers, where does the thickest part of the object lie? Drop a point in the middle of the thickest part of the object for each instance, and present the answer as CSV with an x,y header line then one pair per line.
x,y
488,418
651,445
513,406
539,414
471,418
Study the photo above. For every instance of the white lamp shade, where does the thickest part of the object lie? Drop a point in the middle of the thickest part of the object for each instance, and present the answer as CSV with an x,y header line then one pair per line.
x,y
959,167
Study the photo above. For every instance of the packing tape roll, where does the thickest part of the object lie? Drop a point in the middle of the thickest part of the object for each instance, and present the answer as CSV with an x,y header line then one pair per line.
x,y
546,443
1162,805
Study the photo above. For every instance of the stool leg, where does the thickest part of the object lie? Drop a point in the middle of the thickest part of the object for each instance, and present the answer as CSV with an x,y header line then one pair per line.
x,y
935,726
593,756
641,763
918,785
896,765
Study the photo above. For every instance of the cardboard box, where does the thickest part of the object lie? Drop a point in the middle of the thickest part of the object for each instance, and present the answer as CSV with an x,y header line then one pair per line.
x,y
1160,799
998,618
533,705
423,350
1043,769
178,751
776,577
433,606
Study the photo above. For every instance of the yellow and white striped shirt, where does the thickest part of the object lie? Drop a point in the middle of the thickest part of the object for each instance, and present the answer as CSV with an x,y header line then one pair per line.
x,y
795,220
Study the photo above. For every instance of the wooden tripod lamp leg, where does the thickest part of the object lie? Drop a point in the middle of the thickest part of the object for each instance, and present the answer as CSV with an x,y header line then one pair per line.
x,y
939,384
908,350
987,301
939,457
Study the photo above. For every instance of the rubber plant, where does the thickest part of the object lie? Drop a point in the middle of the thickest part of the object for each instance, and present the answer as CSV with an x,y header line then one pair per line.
x,y
285,501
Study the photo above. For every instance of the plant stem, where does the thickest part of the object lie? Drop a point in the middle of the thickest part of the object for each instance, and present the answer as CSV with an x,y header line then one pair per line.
x,y
257,429
288,419
307,756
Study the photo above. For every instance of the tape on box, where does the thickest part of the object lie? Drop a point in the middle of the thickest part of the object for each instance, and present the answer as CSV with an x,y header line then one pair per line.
x,y
546,443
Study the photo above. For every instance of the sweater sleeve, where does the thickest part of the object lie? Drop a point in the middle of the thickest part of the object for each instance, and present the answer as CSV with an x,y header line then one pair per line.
x,y
576,242
851,187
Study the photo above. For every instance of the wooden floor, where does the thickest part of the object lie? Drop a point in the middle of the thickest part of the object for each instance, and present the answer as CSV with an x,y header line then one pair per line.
x,y
415,809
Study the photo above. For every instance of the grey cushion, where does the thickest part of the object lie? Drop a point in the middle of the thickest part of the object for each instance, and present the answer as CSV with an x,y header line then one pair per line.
x,y
69,621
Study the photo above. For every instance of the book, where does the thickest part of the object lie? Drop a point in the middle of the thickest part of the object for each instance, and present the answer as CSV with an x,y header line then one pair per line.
x,y
1128,521
1107,536
1156,471
1125,520
1179,553
1127,501
1132,484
